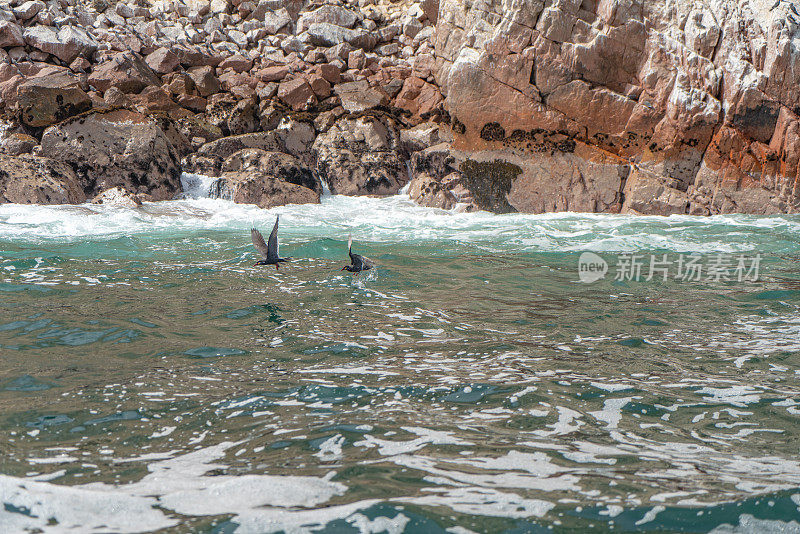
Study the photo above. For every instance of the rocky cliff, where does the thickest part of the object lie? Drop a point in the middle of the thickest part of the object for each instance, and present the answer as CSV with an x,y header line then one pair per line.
x,y
629,106
651,106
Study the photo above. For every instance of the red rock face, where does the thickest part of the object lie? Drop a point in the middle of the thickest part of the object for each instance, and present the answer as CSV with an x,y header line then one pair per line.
x,y
700,108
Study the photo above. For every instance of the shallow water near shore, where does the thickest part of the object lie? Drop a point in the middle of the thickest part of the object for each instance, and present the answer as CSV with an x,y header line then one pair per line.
x,y
152,379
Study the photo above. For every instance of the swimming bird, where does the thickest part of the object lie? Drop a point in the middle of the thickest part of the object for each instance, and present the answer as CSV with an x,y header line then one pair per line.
x,y
358,262
268,251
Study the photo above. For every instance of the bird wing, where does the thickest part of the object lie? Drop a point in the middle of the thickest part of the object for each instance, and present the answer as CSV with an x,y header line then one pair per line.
x,y
366,263
272,248
350,249
258,242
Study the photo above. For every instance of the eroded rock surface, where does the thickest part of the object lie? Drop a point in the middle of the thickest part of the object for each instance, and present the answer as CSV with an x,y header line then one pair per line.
x,y
117,148
701,98
36,180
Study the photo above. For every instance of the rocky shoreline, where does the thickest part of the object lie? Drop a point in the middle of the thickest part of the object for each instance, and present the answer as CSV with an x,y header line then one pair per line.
x,y
608,106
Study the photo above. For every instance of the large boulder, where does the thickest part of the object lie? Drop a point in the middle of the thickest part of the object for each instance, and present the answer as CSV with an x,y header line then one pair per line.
x,y
327,34
51,98
119,197
67,43
36,180
336,15
234,116
209,158
361,156
126,71
266,179
116,148
359,96
10,35
17,144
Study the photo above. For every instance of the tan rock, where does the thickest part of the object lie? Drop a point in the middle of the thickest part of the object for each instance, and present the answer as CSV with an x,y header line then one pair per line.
x,y
296,94
36,180
118,196
17,144
267,179
205,80
428,191
51,98
10,35
361,157
162,61
116,148
359,96
126,71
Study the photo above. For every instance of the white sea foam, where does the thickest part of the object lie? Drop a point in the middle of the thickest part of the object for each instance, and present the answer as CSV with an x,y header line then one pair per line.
x,y
397,219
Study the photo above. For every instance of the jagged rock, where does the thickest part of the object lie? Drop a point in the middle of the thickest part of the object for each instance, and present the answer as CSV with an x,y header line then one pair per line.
x,y
205,80
116,148
335,15
162,61
267,179
28,10
37,180
297,94
431,10
232,115
275,21
420,137
17,144
209,157
359,96
653,195
428,191
10,35
51,98
67,43
326,34
126,71
361,157
118,196
297,138
418,97
236,62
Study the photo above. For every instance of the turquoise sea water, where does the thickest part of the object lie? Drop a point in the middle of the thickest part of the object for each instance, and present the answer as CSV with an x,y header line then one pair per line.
x,y
151,379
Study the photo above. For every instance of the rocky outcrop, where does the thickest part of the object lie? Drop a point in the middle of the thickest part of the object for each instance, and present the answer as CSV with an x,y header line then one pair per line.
x,y
36,180
696,105
537,105
266,179
118,196
361,156
116,148
50,98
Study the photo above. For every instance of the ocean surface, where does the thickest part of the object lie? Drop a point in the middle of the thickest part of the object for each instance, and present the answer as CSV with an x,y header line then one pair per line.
x,y
152,379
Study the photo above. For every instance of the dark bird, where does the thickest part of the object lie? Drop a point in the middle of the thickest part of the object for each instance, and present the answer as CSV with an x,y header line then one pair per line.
x,y
268,251
358,262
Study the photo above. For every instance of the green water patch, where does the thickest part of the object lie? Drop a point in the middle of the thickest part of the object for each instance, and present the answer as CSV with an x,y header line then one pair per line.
x,y
269,311
777,512
45,421
8,287
76,337
27,384
472,394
